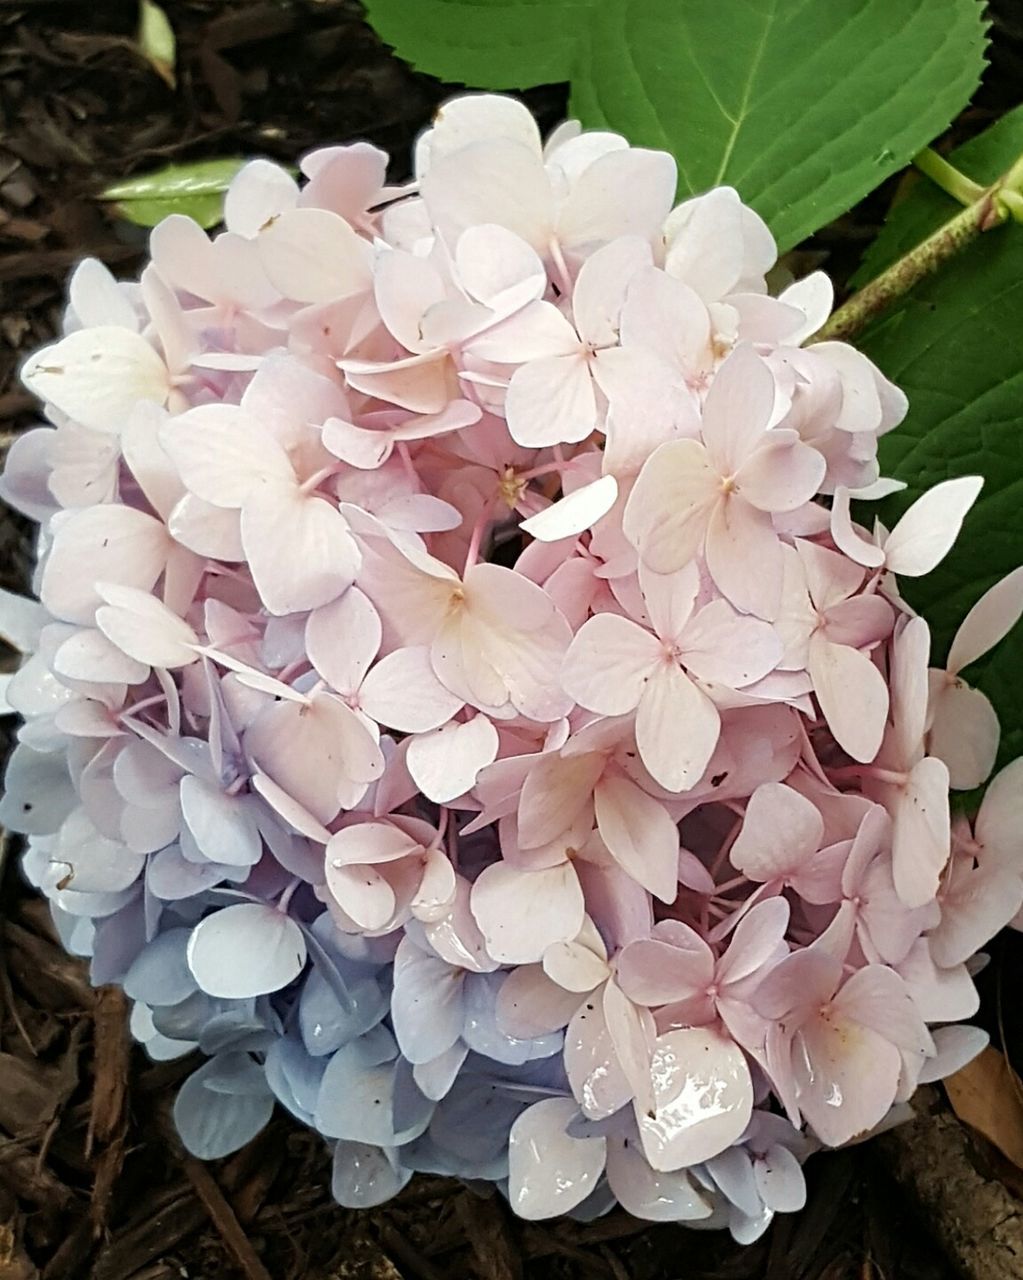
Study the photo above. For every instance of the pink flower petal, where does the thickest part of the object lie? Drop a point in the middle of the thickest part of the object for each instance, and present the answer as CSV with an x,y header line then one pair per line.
x,y
362,893
498,268
551,401
258,192
677,729
402,692
496,180
988,622
655,971
639,834
97,376
370,842
781,831
758,939
445,762
574,966
964,733
744,557
846,537
921,837
312,255
588,217
737,409
649,1194
609,663
554,794
522,913
846,1076
999,824
299,547
342,638
781,474
668,511
310,750
925,534
529,1004
723,647
144,628
214,447
100,544
852,694
90,655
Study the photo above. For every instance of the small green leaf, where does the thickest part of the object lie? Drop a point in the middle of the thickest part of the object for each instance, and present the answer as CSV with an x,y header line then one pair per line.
x,y
490,44
953,346
803,105
156,41
925,207
196,190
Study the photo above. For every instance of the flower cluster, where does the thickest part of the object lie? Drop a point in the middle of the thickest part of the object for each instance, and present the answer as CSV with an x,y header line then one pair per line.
x,y
462,704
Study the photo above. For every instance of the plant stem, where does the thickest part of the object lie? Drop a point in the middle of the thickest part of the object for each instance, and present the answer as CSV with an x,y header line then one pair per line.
x,y
948,177
995,204
921,261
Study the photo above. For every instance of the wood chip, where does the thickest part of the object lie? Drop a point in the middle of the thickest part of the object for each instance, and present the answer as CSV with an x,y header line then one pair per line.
x,y
988,1096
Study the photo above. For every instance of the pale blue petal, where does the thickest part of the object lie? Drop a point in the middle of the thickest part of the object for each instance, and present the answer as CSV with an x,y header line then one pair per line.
x,y
294,1077
38,794
170,876
235,1073
366,1176
411,1108
240,1031
117,942
215,1124
427,1009
223,826
160,974
248,949
481,1032
325,1023
436,1077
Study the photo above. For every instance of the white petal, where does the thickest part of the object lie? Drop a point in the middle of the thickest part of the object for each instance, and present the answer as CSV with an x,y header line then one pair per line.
x,y
704,1096
444,763
575,513
550,1172
522,913
991,618
313,255
245,950
925,534
97,376
144,628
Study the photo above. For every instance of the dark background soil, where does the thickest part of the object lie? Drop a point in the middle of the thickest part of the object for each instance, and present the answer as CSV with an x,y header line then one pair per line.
x,y
92,1184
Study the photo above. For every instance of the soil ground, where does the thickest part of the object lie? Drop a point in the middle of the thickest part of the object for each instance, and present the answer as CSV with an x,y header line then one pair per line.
x,y
92,1183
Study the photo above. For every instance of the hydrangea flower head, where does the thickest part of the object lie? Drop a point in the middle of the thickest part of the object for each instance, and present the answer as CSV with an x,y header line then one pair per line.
x,y
459,699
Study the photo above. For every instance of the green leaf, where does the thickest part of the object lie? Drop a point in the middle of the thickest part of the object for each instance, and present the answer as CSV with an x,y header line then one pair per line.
x,y
156,41
925,207
490,44
803,105
196,190
953,347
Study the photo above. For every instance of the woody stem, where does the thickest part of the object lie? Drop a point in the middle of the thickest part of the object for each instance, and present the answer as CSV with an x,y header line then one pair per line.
x,y
991,207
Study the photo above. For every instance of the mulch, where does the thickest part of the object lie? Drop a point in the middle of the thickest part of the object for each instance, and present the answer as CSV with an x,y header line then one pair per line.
x,y
93,1184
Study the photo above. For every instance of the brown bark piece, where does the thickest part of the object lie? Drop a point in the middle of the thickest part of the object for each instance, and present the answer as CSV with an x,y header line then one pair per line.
x,y
223,1218
490,1235
976,1218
